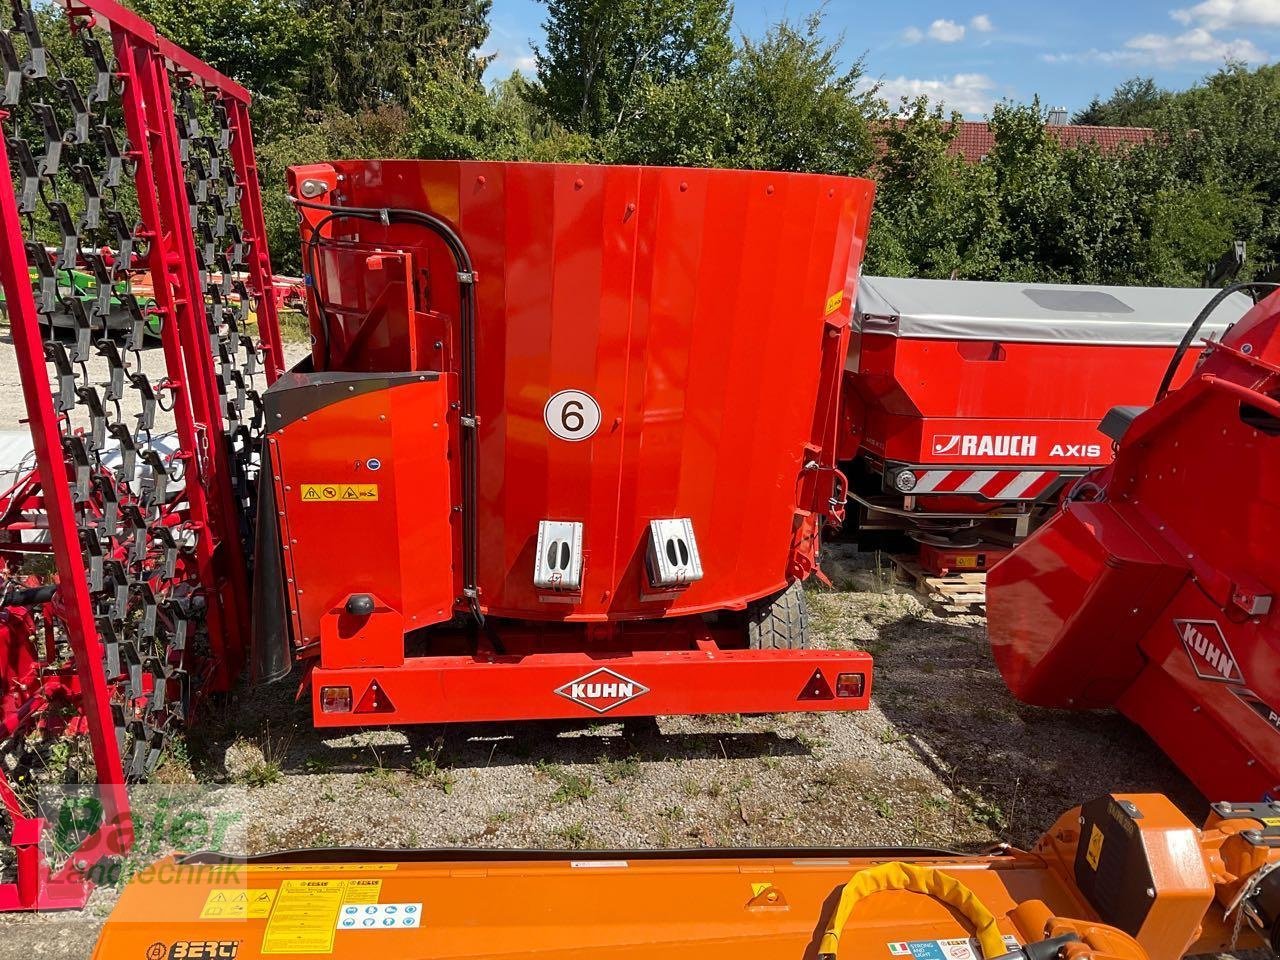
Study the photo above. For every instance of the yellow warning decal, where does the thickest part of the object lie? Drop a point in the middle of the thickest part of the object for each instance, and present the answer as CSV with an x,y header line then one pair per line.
x,y
759,888
967,561
363,891
237,903
1094,853
833,302
305,917
339,493
1271,821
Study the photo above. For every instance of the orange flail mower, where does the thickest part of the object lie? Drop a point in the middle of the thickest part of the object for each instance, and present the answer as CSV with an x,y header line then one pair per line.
x,y
1121,878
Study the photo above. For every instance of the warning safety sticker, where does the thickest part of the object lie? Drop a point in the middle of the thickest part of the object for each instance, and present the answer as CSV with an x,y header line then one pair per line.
x,y
380,916
237,903
339,493
944,949
362,891
305,917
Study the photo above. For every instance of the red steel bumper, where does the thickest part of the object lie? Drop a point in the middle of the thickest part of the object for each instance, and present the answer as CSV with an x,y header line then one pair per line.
x,y
450,689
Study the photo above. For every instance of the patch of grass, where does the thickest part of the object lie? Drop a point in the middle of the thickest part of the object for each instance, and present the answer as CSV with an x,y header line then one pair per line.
x,y
615,771
569,786
428,769
574,835
572,787
430,766
270,769
889,735
381,778
294,327
263,774
318,765
497,819
673,812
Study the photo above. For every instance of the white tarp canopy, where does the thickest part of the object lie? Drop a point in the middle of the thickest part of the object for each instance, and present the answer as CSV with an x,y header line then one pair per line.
x,y
1038,312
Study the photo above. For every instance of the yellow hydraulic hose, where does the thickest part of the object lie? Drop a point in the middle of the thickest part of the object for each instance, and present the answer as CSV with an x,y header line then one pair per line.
x,y
926,880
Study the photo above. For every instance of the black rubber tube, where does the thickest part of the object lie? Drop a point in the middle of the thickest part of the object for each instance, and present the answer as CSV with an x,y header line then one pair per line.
x,y
1197,323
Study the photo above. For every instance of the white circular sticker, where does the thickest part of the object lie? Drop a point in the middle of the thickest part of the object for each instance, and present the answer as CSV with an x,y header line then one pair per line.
x,y
572,415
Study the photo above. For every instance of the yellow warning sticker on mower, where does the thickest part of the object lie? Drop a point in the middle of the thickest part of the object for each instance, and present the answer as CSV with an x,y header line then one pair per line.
x,y
339,493
363,891
1094,853
305,917
237,903
833,302
1271,821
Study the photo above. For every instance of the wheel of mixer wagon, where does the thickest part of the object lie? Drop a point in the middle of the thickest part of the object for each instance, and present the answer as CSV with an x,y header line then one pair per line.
x,y
780,622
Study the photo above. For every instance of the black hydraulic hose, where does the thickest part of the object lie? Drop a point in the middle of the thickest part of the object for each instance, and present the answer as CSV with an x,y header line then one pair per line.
x,y
467,382
1190,335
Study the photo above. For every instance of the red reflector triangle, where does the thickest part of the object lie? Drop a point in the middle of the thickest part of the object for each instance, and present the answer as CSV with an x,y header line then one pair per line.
x,y
817,688
375,700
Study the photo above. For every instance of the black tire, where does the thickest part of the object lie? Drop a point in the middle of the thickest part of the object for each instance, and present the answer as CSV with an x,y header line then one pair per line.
x,y
780,622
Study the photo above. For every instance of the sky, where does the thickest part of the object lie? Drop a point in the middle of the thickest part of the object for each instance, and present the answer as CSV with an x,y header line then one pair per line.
x,y
974,53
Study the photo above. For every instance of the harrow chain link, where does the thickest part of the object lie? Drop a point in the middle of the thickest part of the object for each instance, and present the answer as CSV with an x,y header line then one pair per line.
x,y
73,171
214,197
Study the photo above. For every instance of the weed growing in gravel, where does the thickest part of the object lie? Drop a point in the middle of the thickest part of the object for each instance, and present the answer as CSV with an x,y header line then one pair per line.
x,y
615,771
263,774
571,786
270,768
574,835
318,765
383,778
889,736
427,767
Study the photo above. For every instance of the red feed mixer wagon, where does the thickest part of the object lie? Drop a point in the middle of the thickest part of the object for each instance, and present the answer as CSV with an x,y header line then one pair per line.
x,y
565,445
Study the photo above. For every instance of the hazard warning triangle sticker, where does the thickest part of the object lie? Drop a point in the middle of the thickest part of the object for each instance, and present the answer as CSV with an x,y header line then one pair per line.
x,y
375,700
817,688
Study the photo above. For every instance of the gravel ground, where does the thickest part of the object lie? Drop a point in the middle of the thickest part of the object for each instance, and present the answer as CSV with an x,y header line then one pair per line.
x,y
943,757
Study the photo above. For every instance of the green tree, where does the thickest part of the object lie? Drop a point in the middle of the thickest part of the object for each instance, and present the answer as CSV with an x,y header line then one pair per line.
x,y
935,214
792,106
1133,104
602,58
382,51
272,47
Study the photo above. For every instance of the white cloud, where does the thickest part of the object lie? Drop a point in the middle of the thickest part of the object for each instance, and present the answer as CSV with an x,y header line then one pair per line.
x,y
1197,45
946,31
1220,14
982,23
912,35
970,93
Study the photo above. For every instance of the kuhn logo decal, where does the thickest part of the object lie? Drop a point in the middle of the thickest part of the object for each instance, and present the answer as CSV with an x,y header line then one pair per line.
x,y
983,445
1207,647
602,690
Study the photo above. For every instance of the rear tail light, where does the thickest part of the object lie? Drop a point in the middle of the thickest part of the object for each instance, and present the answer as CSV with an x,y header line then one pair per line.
x,y
335,699
850,684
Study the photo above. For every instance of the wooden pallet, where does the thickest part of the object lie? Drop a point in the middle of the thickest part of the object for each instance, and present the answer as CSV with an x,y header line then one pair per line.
x,y
953,593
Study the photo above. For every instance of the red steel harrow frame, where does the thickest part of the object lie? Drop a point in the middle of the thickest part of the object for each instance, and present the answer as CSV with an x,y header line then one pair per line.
x,y
143,489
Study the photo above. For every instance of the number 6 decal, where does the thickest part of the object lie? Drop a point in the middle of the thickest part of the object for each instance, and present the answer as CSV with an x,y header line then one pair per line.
x,y
572,415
